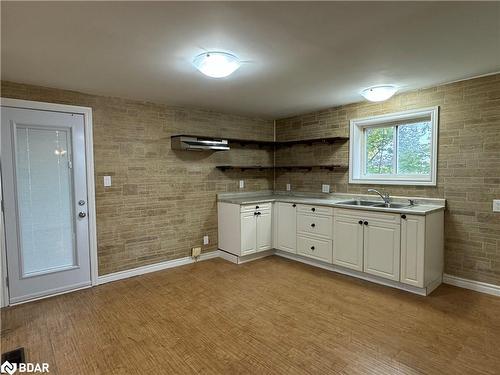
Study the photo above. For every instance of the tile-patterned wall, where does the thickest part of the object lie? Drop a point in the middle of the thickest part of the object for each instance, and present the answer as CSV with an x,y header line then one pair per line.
x,y
468,165
162,201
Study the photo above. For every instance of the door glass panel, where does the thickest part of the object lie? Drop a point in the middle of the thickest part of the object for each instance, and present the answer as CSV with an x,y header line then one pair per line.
x,y
45,196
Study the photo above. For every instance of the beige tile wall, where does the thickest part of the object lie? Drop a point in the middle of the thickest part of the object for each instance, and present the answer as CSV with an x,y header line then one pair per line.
x,y
468,170
162,201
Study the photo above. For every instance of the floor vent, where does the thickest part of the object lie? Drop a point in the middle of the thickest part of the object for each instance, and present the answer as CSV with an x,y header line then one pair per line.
x,y
14,356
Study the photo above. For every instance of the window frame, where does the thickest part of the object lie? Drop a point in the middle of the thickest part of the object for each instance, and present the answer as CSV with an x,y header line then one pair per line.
x,y
357,149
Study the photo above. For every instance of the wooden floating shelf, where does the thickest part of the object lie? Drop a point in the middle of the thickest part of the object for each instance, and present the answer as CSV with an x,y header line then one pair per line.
x,y
289,167
243,142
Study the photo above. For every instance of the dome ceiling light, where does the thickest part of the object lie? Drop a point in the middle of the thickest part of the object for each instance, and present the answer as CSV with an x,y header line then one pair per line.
x,y
379,93
217,64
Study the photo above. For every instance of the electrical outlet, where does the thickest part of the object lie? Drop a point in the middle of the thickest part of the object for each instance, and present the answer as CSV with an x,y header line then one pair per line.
x,y
195,252
496,205
205,240
325,188
107,181
288,187
242,184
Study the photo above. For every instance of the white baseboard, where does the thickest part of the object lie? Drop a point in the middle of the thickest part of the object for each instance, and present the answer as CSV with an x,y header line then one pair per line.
x,y
154,267
478,286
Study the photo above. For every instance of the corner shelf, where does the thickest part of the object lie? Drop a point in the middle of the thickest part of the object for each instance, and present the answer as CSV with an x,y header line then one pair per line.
x,y
243,142
330,167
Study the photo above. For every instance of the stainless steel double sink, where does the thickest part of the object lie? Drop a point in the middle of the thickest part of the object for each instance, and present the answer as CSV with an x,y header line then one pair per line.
x,y
373,204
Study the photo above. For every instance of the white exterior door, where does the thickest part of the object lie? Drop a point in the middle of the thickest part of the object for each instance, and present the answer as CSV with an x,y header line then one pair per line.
x,y
382,249
286,227
45,202
348,242
264,230
248,227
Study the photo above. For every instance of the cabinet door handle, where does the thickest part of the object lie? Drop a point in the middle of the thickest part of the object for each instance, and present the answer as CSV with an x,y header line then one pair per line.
x,y
294,205
313,209
366,223
313,225
256,207
258,213
312,248
360,222
403,216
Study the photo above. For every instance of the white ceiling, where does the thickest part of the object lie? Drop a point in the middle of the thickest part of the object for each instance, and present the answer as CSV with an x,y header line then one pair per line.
x,y
302,56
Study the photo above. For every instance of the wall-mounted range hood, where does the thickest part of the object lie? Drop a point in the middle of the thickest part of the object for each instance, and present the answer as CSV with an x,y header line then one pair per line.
x,y
197,143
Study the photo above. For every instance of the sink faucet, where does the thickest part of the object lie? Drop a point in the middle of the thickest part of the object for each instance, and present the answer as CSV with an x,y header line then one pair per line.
x,y
385,196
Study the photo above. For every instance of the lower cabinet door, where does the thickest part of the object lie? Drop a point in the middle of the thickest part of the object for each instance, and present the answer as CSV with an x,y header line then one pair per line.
x,y
316,248
286,226
264,231
348,242
412,250
248,227
382,249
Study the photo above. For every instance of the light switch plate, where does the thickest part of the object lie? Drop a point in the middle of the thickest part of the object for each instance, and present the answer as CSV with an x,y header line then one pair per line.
x,y
325,188
107,181
205,240
496,205
288,187
242,184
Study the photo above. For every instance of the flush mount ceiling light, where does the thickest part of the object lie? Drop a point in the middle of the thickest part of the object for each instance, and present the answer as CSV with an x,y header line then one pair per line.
x,y
216,64
379,93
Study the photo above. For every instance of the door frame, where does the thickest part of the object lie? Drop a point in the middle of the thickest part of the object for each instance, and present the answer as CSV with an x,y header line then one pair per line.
x,y
89,158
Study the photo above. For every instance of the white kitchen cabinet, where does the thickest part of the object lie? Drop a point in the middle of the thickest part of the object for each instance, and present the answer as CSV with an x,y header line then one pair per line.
x,y
264,234
248,233
381,244
422,249
367,241
244,230
348,241
286,227
317,248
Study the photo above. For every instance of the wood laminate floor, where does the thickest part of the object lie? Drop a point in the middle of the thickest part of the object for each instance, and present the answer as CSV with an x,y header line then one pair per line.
x,y
271,316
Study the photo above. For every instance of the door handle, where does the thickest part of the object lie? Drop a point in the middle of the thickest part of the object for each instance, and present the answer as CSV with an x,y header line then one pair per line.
x,y
403,216
360,222
312,248
366,223
294,205
313,225
82,214
313,209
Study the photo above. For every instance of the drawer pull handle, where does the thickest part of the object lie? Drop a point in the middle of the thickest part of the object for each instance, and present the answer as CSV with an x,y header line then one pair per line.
x,y
360,222
403,216
313,209
294,205
312,248
366,223
256,207
313,225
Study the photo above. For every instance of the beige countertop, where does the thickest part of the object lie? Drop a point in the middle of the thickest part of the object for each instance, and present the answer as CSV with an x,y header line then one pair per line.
x,y
423,206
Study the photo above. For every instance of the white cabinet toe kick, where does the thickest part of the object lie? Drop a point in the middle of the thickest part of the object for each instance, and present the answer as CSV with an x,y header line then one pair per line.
x,y
399,250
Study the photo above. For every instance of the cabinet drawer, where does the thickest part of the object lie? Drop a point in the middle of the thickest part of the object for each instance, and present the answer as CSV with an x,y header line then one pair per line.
x,y
256,206
315,248
315,225
311,209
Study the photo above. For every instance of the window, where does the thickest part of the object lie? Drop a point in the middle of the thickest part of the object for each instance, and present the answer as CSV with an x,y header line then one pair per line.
x,y
395,149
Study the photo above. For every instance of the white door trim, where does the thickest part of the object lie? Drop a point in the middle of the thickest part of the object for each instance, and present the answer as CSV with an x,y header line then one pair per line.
x,y
89,157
